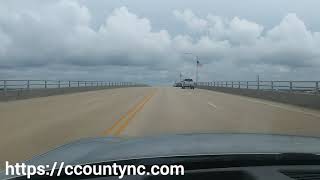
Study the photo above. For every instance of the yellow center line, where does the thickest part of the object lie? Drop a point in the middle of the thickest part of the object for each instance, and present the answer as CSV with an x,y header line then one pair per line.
x,y
108,131
128,115
126,123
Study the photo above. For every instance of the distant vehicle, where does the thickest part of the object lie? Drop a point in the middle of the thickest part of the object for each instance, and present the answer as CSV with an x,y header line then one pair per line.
x,y
188,83
177,84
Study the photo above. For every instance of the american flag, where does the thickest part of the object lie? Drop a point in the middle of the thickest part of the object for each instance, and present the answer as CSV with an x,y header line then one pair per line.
x,y
199,64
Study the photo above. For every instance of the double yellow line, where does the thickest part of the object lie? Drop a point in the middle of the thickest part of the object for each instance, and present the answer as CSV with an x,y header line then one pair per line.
x,y
118,127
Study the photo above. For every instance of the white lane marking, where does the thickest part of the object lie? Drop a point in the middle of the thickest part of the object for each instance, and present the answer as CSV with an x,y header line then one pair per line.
x,y
285,108
211,104
268,104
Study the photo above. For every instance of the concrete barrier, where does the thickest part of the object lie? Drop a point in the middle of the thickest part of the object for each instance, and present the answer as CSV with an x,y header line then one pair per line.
x,y
299,99
25,94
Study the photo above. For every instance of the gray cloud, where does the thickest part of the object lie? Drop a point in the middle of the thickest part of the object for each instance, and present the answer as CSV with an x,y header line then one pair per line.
x,y
57,39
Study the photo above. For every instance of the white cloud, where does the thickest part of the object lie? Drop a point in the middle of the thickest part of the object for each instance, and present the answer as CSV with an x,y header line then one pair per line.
x,y
57,37
192,21
288,44
235,30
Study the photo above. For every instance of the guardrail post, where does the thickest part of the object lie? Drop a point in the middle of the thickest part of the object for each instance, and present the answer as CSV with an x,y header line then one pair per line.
x,y
69,84
59,84
247,84
317,87
78,83
226,83
232,84
28,85
4,87
85,83
290,83
258,85
239,85
272,86
45,84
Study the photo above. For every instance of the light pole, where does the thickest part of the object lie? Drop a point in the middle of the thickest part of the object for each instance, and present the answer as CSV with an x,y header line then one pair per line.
x,y
197,63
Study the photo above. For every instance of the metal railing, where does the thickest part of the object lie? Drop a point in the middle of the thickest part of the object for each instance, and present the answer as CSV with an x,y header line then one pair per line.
x,y
310,87
15,85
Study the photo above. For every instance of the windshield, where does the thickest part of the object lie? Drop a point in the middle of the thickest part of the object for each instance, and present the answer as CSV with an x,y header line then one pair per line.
x,y
77,69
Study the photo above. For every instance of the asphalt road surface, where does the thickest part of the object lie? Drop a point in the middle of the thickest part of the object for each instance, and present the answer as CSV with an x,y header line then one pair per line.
x,y
34,126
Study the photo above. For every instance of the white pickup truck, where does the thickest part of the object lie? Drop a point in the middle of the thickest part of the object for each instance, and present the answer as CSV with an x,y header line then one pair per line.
x,y
188,83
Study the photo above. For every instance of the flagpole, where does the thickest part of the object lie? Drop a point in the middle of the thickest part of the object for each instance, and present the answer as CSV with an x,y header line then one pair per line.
x,y
197,60
197,70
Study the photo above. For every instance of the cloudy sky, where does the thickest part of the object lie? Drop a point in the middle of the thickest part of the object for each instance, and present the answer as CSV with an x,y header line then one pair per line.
x,y
146,41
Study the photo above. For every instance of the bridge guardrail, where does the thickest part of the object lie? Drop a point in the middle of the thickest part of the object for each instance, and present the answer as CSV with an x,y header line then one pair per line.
x,y
20,85
308,87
